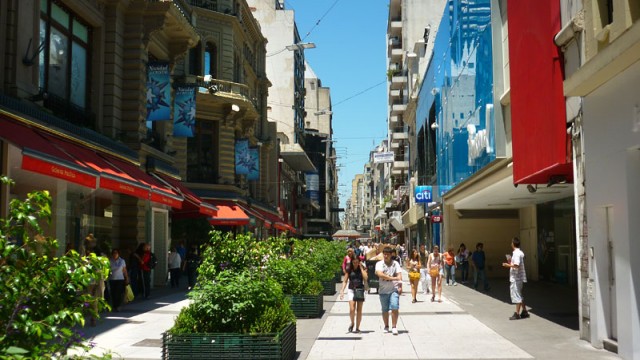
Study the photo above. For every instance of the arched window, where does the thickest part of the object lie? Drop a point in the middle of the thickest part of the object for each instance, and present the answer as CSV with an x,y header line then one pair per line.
x,y
195,59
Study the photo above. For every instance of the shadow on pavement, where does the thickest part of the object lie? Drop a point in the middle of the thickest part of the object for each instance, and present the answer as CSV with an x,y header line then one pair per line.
x,y
551,301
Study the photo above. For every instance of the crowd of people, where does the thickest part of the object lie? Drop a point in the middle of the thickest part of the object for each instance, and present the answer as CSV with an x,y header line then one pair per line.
x,y
134,276
428,270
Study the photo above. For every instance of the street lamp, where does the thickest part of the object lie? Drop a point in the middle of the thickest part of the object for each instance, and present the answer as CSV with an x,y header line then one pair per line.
x,y
300,46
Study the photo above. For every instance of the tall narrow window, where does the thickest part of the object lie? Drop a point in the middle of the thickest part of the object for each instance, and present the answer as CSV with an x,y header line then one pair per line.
x,y
195,60
64,61
210,56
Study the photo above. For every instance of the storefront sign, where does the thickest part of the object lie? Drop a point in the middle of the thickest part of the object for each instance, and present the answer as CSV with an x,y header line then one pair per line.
x,y
423,194
313,186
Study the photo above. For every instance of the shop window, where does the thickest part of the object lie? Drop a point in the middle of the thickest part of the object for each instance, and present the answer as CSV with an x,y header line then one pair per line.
x,y
64,63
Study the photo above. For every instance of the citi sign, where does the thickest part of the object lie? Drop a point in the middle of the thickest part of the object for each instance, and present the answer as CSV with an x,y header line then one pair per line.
x,y
423,194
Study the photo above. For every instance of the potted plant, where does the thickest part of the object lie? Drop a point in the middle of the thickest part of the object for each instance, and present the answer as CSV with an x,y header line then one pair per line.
x,y
236,310
299,281
241,315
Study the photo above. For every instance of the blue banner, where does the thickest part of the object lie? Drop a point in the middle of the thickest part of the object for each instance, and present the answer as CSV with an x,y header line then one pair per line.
x,y
254,171
313,186
158,92
184,111
243,157
423,194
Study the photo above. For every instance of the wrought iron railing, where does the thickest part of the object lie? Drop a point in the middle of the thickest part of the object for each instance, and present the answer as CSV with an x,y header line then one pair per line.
x,y
222,86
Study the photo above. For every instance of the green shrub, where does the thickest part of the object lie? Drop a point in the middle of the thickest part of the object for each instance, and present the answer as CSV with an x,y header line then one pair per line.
x,y
43,297
236,302
224,251
323,256
296,276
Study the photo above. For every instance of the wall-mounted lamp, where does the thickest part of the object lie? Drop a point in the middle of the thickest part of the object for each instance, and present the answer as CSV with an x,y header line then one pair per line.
x,y
532,189
434,126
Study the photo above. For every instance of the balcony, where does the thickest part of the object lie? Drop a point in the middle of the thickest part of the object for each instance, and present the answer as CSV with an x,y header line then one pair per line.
x,y
401,162
394,51
399,80
395,26
400,133
394,120
214,93
394,93
398,107
205,4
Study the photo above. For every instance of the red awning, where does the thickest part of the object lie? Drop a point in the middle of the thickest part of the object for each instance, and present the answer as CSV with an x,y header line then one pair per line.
x,y
160,193
193,206
118,175
41,157
229,214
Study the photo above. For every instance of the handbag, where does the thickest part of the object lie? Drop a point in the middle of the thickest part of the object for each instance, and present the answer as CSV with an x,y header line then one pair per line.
x,y
128,294
434,272
358,294
414,275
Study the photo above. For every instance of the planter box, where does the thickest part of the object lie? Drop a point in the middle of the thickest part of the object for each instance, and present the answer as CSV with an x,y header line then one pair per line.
x,y
307,306
280,345
329,287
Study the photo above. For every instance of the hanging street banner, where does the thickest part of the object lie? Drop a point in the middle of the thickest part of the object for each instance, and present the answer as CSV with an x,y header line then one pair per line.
x,y
184,111
423,194
313,186
383,157
158,92
243,157
254,170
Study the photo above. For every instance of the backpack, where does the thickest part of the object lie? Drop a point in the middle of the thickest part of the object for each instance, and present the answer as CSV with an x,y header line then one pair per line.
x,y
154,261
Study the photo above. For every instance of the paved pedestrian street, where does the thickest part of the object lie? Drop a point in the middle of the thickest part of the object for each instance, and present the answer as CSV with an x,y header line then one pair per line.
x,y
427,330
466,325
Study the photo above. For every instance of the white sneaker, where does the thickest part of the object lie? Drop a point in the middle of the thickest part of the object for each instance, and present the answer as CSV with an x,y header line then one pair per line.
x,y
386,330
394,331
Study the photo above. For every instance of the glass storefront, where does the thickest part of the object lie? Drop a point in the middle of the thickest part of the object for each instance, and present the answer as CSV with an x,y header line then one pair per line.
x,y
557,242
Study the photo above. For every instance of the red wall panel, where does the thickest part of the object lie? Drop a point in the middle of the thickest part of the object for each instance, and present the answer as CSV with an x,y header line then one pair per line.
x,y
541,146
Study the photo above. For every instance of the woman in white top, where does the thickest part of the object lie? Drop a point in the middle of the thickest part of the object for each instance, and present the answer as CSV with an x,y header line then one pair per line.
x,y
118,279
435,265
175,262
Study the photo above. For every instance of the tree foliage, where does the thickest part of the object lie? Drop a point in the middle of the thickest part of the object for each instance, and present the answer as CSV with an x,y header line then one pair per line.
x,y
43,296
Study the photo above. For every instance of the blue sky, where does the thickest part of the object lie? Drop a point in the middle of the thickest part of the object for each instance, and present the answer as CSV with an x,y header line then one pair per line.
x,y
349,58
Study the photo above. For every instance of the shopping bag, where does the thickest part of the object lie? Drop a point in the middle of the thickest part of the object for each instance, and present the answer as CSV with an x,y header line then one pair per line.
x,y
128,294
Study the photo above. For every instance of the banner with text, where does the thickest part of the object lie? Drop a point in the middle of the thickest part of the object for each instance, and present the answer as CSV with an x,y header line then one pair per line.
x,y
184,111
158,91
383,157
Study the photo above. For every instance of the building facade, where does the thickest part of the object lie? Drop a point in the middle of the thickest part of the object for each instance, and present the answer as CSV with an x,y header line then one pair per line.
x,y
129,113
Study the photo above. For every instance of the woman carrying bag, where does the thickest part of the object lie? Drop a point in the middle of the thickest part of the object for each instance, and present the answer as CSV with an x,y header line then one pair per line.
x,y
354,280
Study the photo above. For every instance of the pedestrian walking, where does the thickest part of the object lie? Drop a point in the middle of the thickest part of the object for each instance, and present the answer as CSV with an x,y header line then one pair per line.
x,y
347,260
463,262
118,279
389,271
450,267
425,280
174,262
517,278
135,270
478,260
191,266
413,266
148,263
435,266
355,281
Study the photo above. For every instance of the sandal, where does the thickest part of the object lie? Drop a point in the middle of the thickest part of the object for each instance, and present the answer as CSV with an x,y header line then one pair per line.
x,y
350,328
433,298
